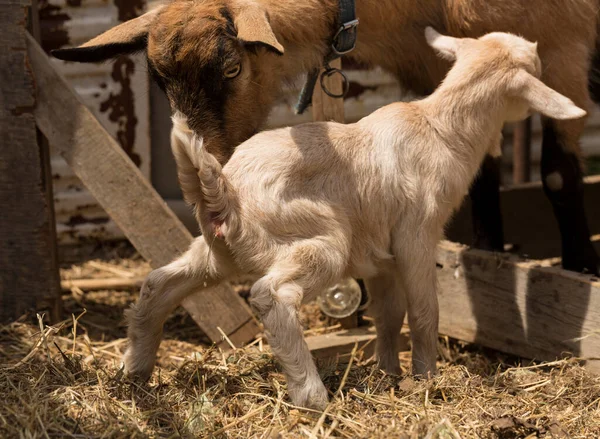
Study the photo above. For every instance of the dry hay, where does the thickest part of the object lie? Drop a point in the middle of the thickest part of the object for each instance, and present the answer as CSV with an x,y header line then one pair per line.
x,y
64,381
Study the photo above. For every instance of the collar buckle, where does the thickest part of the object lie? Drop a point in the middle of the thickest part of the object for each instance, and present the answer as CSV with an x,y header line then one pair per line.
x,y
349,26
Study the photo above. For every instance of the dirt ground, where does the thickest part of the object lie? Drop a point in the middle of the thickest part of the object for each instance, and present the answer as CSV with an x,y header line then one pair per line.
x,y
64,381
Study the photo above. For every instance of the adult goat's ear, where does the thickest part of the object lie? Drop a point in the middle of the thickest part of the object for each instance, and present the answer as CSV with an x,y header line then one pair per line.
x,y
543,99
128,37
446,46
253,27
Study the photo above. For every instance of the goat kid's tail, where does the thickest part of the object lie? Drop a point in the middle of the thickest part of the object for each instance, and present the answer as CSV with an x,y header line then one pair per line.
x,y
201,179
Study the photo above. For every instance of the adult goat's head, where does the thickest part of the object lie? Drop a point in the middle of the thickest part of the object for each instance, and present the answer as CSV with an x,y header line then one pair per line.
x,y
215,60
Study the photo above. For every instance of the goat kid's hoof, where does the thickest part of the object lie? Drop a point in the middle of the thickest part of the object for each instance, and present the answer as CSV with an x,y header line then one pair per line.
x,y
136,367
313,396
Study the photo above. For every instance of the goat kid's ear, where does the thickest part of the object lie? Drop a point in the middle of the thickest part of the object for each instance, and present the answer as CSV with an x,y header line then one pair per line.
x,y
544,100
444,45
253,27
126,38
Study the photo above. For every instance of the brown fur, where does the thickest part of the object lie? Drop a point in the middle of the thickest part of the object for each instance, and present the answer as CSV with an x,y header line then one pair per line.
x,y
390,36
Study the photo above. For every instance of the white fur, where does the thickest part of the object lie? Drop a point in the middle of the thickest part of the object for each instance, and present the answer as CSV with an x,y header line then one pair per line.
x,y
303,207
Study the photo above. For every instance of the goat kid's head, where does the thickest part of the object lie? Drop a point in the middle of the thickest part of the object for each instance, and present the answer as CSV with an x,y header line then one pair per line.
x,y
513,66
203,54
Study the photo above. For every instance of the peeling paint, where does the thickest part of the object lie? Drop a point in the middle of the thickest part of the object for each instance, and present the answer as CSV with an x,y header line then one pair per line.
x,y
53,32
121,106
129,9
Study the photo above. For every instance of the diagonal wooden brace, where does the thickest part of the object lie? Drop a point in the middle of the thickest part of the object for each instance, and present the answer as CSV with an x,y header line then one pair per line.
x,y
130,200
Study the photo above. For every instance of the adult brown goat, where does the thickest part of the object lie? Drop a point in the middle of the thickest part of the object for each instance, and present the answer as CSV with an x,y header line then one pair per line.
x,y
222,64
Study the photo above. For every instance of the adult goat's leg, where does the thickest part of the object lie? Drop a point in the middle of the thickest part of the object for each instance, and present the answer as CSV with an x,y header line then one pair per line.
x,y
562,173
563,184
164,289
388,304
488,232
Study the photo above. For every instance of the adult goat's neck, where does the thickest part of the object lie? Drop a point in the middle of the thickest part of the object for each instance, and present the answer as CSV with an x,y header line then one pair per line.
x,y
305,29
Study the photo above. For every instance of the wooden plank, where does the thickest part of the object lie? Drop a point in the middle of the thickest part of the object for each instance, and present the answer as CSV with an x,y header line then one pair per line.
x,y
338,345
123,192
528,219
29,277
525,308
324,107
111,283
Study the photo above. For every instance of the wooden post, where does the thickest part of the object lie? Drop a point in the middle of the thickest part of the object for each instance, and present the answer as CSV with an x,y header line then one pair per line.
x,y
522,152
127,196
29,278
324,107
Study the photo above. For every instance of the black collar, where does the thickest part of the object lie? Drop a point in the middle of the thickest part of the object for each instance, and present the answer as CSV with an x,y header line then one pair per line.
x,y
343,41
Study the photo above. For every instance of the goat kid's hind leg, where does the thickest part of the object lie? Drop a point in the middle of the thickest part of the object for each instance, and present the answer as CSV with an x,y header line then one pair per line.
x,y
277,306
388,304
164,289
306,269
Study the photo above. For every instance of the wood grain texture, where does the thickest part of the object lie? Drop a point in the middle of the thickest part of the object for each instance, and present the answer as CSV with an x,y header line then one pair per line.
x,y
526,308
121,189
29,277
112,283
324,107
338,345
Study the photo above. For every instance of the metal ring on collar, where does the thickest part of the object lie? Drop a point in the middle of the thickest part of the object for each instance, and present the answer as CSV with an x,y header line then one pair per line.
x,y
345,83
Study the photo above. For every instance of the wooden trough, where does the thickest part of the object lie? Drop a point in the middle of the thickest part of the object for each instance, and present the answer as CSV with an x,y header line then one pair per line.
x,y
526,308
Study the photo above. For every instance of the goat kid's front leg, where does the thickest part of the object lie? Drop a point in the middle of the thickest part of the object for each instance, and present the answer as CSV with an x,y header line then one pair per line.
x,y
419,277
277,306
388,304
164,289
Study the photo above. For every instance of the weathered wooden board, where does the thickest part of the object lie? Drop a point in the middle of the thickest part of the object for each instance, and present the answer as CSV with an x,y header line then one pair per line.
x,y
125,194
338,345
524,308
117,94
29,275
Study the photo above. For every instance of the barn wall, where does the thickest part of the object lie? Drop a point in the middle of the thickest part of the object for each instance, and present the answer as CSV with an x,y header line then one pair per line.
x,y
117,94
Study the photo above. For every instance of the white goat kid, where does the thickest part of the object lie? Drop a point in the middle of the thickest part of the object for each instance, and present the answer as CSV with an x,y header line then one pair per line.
x,y
303,207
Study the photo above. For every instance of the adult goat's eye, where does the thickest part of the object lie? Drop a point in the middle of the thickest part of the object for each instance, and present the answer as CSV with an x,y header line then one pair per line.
x,y
232,72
